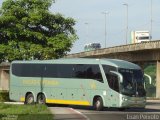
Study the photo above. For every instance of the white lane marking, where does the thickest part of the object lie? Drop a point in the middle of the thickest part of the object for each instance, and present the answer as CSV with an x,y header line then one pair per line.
x,y
86,118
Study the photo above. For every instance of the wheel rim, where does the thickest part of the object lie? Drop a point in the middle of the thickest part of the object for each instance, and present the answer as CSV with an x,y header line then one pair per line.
x,y
30,100
98,103
41,99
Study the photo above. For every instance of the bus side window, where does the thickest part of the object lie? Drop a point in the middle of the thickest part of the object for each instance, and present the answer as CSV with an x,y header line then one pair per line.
x,y
50,71
111,78
113,81
86,71
79,71
27,70
65,70
93,72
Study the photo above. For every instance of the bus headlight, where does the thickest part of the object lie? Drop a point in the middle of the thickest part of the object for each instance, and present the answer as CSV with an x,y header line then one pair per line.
x,y
124,99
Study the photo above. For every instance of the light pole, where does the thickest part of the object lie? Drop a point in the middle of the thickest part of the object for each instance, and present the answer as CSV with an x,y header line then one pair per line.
x,y
151,23
105,28
125,4
87,31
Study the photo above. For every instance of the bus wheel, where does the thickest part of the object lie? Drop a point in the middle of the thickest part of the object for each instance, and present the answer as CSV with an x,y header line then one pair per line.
x,y
98,104
41,99
29,99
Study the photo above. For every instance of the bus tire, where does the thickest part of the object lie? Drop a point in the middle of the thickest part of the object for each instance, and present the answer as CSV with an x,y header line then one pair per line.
x,y
121,109
41,99
29,99
98,104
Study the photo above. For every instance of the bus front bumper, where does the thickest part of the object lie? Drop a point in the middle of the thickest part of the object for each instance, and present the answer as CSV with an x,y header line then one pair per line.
x,y
133,102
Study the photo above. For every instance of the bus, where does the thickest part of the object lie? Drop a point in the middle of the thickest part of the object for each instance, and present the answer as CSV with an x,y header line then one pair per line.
x,y
93,82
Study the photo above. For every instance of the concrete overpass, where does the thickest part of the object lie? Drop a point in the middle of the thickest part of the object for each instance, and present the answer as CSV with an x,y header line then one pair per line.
x,y
138,53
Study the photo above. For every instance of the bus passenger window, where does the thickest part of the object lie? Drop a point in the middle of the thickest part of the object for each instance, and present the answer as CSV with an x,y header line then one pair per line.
x,y
93,72
113,82
88,71
111,78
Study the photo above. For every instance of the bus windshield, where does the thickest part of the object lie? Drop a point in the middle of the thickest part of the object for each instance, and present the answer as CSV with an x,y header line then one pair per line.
x,y
133,82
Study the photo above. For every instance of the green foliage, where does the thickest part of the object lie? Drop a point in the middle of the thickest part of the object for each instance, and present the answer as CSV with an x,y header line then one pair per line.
x,y
25,112
28,30
4,96
150,69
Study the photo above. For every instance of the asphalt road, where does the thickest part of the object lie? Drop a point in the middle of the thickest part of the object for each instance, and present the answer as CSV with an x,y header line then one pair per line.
x,y
151,112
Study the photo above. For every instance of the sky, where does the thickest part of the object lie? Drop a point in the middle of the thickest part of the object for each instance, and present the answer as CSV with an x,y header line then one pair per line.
x,y
90,20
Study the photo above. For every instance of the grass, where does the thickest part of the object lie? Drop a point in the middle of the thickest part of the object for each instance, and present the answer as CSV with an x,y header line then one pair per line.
x,y
4,96
24,112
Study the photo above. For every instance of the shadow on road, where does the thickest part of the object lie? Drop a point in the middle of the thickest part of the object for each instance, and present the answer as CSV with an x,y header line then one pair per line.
x,y
107,109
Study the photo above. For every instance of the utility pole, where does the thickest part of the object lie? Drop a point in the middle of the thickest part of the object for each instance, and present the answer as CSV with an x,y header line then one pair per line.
x,y
105,28
125,4
87,31
151,21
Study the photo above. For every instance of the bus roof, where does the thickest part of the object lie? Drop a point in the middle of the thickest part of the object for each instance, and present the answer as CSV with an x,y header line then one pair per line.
x,y
112,62
120,63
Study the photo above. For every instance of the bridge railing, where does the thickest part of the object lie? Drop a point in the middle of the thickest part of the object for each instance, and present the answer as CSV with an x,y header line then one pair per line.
x,y
118,49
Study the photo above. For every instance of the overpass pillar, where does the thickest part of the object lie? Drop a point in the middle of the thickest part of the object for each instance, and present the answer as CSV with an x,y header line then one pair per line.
x,y
158,80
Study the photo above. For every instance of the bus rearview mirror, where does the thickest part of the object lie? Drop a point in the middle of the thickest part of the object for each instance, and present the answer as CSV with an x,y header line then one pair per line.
x,y
149,78
120,78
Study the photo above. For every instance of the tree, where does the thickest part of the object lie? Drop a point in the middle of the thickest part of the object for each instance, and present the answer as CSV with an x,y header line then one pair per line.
x,y
28,30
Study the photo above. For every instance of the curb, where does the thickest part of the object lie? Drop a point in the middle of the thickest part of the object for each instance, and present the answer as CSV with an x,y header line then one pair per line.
x,y
14,103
